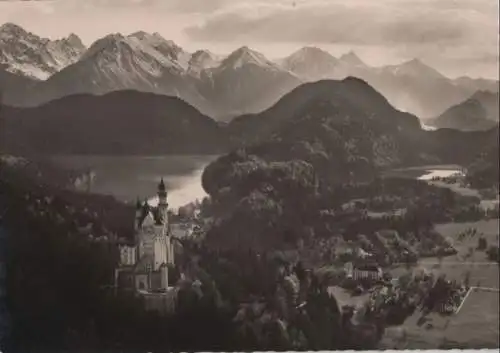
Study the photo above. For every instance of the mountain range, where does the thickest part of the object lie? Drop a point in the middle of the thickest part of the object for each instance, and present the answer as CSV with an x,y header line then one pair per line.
x,y
35,70
345,128
27,54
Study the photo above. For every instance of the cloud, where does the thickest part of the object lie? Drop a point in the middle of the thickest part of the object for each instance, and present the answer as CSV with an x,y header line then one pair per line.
x,y
453,34
357,22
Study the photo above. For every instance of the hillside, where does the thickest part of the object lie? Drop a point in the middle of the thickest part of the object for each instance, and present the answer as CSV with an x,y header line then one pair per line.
x,y
490,101
479,112
343,128
484,171
123,122
320,146
13,86
348,132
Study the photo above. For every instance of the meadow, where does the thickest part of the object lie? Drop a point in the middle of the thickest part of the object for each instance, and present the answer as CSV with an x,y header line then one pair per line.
x,y
475,325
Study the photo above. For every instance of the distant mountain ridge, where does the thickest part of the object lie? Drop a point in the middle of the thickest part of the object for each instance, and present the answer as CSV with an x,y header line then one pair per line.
x,y
346,129
223,87
479,112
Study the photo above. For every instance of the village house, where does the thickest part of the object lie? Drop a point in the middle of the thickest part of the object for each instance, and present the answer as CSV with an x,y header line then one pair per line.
x,y
363,271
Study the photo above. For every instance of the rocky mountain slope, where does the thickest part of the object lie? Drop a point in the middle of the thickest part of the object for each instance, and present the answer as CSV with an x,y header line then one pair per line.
x,y
27,54
245,81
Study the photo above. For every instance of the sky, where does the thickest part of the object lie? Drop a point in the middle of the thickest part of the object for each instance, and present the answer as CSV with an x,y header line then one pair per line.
x,y
457,37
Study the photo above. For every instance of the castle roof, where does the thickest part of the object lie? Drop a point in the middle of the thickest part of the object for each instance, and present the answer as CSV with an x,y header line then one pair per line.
x,y
161,186
147,212
150,216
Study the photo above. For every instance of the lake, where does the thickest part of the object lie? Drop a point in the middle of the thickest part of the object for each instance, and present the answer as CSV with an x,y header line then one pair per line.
x,y
426,172
440,173
130,177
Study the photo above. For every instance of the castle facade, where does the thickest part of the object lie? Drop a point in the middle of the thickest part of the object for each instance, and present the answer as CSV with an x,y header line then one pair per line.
x,y
144,261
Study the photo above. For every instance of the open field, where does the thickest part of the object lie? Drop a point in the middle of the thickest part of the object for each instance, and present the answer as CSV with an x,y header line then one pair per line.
x,y
488,227
480,274
475,326
483,272
456,187
476,323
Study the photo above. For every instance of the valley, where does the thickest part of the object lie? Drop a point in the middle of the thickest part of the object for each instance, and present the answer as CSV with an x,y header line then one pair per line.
x,y
158,199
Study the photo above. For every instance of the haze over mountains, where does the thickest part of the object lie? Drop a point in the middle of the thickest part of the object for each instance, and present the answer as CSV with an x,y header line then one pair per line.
x,y
341,127
479,112
222,87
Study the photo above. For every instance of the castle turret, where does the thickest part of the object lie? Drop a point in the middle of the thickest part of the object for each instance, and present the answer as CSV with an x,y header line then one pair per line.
x,y
164,276
162,200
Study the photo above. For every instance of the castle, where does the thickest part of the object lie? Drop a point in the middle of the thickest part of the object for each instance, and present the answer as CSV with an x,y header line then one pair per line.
x,y
144,262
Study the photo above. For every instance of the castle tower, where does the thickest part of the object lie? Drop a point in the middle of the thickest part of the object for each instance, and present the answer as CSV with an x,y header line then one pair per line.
x,y
162,200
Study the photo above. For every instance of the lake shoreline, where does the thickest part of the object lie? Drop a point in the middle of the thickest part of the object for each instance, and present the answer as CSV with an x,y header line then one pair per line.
x,y
128,178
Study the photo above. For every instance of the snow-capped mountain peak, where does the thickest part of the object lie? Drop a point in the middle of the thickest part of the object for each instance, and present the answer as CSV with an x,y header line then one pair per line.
x,y
174,54
151,38
352,58
309,56
110,42
139,56
29,55
246,56
414,67
311,63
11,29
311,53
74,41
202,60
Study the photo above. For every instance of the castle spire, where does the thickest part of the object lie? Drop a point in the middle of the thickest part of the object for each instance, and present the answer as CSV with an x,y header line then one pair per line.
x,y
162,199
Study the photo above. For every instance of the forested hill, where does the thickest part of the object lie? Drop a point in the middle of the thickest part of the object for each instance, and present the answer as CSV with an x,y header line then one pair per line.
x,y
347,119
348,131
124,122
297,162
